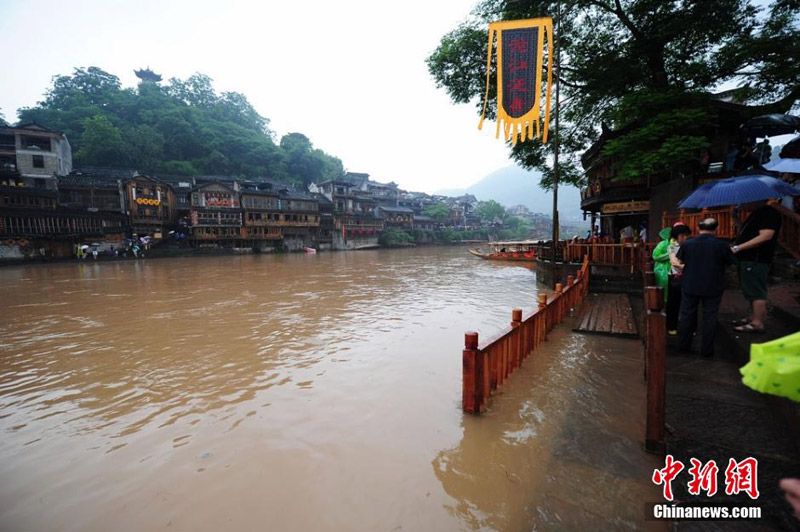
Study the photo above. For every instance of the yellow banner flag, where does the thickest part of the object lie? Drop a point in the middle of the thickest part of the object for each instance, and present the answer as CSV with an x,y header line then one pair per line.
x,y
520,49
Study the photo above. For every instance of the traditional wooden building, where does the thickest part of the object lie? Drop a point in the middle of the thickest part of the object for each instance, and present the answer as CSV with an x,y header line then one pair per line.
x,y
150,205
615,204
355,223
299,218
216,215
182,187
426,223
92,193
324,233
397,217
260,217
33,225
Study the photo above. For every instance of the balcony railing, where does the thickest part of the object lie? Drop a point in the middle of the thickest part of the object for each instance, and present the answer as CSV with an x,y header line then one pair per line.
x,y
788,236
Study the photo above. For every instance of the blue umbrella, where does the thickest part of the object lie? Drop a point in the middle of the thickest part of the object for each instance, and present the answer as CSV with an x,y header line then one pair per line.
x,y
738,190
791,166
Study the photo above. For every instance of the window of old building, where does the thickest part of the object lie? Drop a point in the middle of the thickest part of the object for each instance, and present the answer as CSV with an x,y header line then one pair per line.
x,y
38,161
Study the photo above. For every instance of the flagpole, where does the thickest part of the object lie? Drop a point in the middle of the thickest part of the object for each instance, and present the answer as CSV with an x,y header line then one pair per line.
x,y
555,155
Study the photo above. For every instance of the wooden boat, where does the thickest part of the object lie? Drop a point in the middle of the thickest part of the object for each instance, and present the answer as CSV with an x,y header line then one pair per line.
x,y
522,250
309,250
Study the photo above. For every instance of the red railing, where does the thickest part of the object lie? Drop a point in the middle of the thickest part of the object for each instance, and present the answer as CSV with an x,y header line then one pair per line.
x,y
724,215
487,365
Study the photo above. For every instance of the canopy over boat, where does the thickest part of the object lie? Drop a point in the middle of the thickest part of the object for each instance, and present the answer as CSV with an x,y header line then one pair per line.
x,y
524,250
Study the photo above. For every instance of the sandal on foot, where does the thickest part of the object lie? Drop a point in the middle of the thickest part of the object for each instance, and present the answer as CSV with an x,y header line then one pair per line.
x,y
743,321
750,328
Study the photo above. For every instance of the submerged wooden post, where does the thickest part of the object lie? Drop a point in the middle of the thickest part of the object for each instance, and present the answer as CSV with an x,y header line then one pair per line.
x,y
572,291
471,394
516,338
656,357
559,303
541,320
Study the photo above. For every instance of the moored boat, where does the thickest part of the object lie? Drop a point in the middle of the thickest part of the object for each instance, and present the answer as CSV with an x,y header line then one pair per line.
x,y
522,250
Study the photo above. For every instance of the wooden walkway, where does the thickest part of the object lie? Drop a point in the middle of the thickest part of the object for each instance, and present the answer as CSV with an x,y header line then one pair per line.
x,y
607,314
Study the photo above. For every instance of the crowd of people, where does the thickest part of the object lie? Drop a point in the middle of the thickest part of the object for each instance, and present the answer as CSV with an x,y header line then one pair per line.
x,y
691,269
130,247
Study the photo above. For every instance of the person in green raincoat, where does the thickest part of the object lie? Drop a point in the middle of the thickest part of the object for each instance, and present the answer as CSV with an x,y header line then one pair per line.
x,y
661,258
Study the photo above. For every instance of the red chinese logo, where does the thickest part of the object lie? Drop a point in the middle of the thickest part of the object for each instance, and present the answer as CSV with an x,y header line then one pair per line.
x,y
739,477
667,475
742,477
703,479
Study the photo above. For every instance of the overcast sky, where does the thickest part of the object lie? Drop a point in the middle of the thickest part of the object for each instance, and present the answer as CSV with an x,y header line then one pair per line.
x,y
349,74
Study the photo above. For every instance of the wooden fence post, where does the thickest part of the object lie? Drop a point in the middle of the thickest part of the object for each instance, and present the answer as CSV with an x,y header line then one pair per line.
x,y
470,383
516,338
541,324
559,304
656,354
571,298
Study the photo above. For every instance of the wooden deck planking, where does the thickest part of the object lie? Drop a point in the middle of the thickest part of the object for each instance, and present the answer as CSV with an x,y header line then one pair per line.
x,y
607,314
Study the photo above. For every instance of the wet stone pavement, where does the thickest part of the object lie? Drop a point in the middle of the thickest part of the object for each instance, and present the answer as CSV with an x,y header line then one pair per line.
x,y
712,415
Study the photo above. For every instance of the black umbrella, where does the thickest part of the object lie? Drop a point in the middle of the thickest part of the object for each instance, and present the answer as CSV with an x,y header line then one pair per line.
x,y
791,150
770,126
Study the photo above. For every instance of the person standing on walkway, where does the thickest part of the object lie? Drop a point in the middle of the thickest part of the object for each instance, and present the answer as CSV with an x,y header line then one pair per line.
x,y
678,235
661,260
704,259
754,249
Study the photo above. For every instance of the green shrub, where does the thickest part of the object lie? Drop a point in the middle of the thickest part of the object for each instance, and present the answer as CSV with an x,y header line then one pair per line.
x,y
393,237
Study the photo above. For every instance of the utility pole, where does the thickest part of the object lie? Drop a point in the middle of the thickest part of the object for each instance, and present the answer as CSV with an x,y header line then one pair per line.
x,y
555,155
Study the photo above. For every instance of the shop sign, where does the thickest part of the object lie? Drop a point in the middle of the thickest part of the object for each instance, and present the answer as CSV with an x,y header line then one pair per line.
x,y
626,206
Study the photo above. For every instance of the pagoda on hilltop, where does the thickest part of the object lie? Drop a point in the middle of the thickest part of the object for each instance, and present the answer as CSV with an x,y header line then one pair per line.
x,y
147,75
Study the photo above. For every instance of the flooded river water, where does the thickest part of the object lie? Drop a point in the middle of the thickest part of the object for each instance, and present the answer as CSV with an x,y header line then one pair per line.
x,y
303,393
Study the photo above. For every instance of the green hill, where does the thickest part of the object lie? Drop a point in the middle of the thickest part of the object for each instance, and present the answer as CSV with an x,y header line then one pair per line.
x,y
180,127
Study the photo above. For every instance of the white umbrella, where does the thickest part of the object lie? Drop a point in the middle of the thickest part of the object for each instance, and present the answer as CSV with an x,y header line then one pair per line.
x,y
84,246
791,166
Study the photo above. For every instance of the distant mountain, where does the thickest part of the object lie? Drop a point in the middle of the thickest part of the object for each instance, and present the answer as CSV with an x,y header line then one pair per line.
x,y
514,186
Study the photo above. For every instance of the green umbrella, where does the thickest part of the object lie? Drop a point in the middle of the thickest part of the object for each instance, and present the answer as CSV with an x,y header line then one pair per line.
x,y
774,367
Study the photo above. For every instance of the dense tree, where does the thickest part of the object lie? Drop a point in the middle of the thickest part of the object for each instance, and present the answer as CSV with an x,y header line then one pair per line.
x,y
306,164
438,212
647,66
101,142
490,211
143,146
184,127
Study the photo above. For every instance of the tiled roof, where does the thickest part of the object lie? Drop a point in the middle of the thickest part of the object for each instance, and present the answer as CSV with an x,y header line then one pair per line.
x,y
105,171
387,208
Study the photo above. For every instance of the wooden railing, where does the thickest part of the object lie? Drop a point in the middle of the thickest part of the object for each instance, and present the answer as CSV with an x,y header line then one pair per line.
x,y
788,236
724,215
487,365
631,255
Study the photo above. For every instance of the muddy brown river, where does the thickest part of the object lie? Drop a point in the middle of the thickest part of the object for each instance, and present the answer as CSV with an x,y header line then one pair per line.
x,y
304,393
